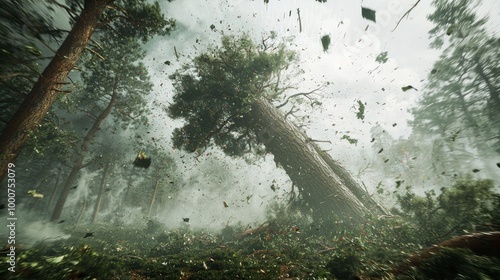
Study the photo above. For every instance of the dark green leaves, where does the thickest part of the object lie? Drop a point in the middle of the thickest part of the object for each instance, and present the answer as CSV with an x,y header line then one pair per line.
x,y
215,92
382,57
361,111
368,14
325,41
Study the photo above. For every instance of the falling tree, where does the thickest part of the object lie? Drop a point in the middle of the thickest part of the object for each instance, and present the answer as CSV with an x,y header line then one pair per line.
x,y
226,97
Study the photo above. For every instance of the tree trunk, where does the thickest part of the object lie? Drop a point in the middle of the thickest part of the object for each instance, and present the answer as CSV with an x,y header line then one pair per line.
x,y
483,243
100,193
54,189
73,175
45,91
320,187
157,180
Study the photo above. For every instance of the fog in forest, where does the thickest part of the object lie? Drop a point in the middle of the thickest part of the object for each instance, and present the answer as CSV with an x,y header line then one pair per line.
x,y
249,118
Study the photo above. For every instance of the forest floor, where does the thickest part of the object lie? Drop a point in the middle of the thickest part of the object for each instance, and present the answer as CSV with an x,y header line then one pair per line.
x,y
272,250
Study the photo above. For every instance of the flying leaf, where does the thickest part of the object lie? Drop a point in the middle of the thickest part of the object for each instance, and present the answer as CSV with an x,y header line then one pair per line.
x,y
325,41
408,87
382,57
368,14
361,111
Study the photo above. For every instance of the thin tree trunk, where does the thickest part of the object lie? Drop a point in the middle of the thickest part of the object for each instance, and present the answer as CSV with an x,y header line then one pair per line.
x,y
100,193
157,180
320,187
81,213
45,91
73,175
54,189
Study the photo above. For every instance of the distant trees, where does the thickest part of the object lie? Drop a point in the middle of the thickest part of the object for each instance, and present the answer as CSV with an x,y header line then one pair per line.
x,y
462,98
130,18
225,97
115,85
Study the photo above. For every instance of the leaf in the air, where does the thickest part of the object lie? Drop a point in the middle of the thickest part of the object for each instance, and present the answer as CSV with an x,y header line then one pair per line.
x,y
368,14
382,57
325,41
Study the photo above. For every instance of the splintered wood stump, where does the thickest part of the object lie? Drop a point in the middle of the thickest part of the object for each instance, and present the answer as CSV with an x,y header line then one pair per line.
x,y
483,243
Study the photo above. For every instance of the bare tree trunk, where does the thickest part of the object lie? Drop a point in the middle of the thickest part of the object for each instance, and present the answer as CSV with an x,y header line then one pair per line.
x,y
73,175
157,180
54,189
100,193
46,89
81,213
320,187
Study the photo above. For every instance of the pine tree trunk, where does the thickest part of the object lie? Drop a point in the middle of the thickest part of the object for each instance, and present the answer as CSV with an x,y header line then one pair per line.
x,y
45,91
100,193
320,187
73,175
157,180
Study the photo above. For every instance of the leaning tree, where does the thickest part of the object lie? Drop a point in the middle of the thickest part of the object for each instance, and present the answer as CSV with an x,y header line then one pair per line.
x,y
226,97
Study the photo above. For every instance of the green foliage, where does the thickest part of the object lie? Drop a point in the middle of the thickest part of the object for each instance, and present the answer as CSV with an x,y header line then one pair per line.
x,y
463,91
453,263
361,111
214,93
119,70
325,41
456,210
349,139
382,58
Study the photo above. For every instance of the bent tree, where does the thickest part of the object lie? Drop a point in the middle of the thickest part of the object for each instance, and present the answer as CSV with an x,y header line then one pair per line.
x,y
225,96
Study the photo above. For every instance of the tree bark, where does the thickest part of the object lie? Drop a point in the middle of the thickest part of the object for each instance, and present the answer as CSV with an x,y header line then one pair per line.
x,y
73,175
483,243
320,187
46,89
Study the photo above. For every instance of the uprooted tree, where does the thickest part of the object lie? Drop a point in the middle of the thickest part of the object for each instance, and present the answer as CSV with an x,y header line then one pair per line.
x,y
226,98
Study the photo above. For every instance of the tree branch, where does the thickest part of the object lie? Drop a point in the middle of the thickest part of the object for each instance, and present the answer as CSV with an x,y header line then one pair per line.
x,y
405,14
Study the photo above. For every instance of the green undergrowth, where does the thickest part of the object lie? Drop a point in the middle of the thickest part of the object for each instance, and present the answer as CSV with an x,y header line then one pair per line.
x,y
286,246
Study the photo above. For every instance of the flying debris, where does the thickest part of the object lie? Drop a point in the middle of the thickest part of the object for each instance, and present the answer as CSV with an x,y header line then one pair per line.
x,y
475,170
72,188
225,205
186,220
89,234
325,41
373,139
273,187
61,221
385,161
394,124
408,87
35,194
398,183
167,62
381,150
368,14
142,160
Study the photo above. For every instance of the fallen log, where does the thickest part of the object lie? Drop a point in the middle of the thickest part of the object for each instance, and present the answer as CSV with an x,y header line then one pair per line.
x,y
483,243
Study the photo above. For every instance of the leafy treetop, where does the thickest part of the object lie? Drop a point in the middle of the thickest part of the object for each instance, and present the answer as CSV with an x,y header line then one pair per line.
x,y
215,92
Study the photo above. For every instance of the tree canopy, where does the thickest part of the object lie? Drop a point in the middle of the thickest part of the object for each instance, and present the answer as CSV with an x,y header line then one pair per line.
x,y
216,91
